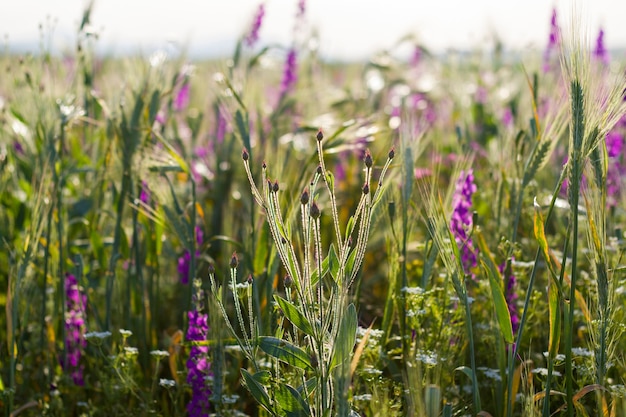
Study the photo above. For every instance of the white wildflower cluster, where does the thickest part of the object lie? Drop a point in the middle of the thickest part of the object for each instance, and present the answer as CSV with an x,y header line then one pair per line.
x,y
131,351
167,383
97,335
160,354
427,358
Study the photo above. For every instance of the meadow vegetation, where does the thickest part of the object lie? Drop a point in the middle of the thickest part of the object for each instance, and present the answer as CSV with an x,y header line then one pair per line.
x,y
275,234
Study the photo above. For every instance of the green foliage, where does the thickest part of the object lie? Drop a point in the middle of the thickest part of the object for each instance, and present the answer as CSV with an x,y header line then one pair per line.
x,y
347,294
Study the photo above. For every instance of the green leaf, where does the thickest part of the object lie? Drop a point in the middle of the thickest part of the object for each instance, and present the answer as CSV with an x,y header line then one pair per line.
x,y
295,316
349,228
540,235
346,338
286,352
554,309
257,390
467,371
262,250
155,104
291,401
497,292
244,131
97,247
333,262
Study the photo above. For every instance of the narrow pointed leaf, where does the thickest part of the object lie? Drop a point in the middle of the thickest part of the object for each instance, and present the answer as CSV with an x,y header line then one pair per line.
x,y
294,315
346,338
555,319
257,390
497,292
290,400
285,352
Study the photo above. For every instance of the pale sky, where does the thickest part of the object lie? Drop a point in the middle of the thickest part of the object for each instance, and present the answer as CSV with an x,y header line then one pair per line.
x,y
348,29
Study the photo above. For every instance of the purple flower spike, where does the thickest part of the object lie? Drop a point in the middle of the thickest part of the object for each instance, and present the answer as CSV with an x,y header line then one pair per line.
x,y
616,169
600,53
198,365
184,260
461,220
75,341
253,35
290,73
553,42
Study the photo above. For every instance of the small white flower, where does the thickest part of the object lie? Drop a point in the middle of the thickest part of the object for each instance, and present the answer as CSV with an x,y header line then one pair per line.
x,y
230,399
544,372
559,357
129,350
97,335
126,333
160,353
167,383
578,351
413,290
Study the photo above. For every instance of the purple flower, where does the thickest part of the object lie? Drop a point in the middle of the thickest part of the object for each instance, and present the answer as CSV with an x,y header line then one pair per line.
x,y
198,365
301,9
19,149
182,98
510,294
144,193
553,42
461,220
600,53
290,73
616,169
75,342
184,260
253,36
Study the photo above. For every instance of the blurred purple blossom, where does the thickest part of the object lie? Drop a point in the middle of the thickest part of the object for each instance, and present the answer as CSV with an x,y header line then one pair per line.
x,y
616,168
17,146
600,53
461,220
198,365
253,35
182,97
290,73
144,193
416,57
301,9
554,41
510,293
185,259
75,342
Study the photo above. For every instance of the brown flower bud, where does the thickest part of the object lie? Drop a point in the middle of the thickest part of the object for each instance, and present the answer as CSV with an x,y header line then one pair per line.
x,y
366,189
392,153
320,135
275,186
304,198
234,261
368,159
288,281
315,211
245,155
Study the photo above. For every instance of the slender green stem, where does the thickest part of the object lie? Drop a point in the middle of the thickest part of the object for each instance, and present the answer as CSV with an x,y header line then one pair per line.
x,y
115,254
470,334
576,159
